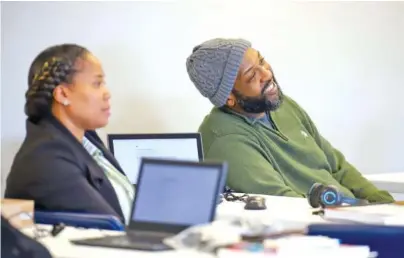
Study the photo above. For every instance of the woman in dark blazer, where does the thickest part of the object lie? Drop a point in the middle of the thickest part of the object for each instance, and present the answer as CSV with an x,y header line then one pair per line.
x,y
66,101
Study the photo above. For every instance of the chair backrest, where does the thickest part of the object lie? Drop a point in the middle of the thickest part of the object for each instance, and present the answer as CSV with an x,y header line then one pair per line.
x,y
82,220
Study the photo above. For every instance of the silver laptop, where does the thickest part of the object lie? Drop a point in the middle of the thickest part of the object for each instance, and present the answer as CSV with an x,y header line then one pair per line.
x,y
128,149
171,195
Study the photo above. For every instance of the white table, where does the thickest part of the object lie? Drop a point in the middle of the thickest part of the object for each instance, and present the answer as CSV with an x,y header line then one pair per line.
x,y
61,247
294,212
391,182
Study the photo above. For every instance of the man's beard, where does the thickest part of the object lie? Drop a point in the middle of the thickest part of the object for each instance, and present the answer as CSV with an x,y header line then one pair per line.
x,y
261,103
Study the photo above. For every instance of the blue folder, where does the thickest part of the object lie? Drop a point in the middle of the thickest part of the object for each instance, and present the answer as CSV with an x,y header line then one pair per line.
x,y
387,241
82,220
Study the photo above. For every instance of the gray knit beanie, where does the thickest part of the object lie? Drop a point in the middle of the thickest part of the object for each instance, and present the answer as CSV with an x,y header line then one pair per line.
x,y
213,67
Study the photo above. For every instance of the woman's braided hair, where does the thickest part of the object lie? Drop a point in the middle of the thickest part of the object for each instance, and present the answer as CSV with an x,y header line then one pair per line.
x,y
52,67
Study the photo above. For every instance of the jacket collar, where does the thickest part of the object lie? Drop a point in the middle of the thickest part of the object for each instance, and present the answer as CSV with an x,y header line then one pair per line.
x,y
91,136
56,124
248,119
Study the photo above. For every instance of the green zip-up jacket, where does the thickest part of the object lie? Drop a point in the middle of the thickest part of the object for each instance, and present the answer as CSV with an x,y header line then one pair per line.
x,y
285,159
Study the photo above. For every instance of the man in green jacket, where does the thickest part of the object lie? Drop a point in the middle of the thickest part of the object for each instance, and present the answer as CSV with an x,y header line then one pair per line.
x,y
270,143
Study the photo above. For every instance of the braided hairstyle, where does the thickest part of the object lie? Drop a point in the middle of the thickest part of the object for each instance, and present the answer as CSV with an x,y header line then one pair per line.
x,y
52,67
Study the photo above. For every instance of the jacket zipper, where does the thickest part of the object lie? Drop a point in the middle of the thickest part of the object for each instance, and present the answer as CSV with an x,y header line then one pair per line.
x,y
277,131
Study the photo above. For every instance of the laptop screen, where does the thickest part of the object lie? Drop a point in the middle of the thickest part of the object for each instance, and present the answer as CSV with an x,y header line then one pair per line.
x,y
182,193
129,149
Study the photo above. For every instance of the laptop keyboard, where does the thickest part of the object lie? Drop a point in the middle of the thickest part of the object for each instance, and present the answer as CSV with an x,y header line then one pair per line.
x,y
132,237
135,243
131,240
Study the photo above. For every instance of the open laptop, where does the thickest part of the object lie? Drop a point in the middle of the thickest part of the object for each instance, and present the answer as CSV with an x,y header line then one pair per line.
x,y
171,196
128,149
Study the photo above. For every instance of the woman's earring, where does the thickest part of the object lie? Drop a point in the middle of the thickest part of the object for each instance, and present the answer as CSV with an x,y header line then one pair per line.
x,y
66,102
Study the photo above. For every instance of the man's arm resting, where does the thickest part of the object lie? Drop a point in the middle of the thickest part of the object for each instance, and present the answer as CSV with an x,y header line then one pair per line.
x,y
249,171
346,174
351,178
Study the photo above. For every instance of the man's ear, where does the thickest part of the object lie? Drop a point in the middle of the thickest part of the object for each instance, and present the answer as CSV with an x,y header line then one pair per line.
x,y
61,94
231,100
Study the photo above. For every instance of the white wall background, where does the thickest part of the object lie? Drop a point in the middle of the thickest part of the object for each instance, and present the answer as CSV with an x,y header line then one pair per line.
x,y
342,61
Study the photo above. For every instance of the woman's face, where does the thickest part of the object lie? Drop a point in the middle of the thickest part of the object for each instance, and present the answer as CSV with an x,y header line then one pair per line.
x,y
87,97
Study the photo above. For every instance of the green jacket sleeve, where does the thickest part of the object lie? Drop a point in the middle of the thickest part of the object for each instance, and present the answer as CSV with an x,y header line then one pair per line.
x,y
249,171
345,173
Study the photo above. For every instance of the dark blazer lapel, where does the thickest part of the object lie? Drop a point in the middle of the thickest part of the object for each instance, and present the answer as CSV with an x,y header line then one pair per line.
x,y
95,139
103,186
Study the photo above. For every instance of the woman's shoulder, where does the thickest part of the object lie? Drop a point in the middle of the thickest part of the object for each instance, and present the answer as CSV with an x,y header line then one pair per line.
x,y
44,137
43,153
45,144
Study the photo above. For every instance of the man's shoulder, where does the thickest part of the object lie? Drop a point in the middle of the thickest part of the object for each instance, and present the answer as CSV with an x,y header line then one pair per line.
x,y
290,102
221,122
223,126
291,107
